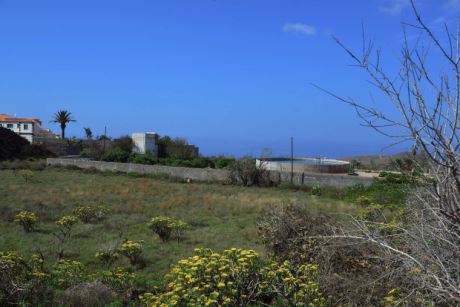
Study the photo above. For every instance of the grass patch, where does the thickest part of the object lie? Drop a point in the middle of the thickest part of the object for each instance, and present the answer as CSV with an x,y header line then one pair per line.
x,y
220,216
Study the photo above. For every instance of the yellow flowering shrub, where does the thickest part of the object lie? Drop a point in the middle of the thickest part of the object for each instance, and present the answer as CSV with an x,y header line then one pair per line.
x,y
236,277
88,214
66,273
67,221
166,227
118,279
107,257
22,280
132,250
28,220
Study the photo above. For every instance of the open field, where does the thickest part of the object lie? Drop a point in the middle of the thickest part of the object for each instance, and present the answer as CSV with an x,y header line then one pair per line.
x,y
221,216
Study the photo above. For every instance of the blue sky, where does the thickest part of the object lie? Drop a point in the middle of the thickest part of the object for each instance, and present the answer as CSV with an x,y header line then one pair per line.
x,y
232,76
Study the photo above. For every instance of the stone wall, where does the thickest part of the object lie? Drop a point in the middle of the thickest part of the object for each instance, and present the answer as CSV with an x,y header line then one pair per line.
x,y
210,175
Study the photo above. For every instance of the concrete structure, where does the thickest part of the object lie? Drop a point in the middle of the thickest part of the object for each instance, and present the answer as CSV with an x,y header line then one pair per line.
x,y
145,142
305,165
42,134
212,175
25,127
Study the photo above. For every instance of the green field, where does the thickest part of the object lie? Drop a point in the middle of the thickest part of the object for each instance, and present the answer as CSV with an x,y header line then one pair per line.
x,y
220,216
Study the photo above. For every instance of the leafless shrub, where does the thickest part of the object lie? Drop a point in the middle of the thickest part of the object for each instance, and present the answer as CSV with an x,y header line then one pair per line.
x,y
427,246
245,171
353,272
88,294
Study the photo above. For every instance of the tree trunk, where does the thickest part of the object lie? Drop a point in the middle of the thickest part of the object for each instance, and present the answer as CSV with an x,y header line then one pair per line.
x,y
63,132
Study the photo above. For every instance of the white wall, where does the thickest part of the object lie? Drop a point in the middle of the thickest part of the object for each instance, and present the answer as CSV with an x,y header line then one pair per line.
x,y
25,130
145,143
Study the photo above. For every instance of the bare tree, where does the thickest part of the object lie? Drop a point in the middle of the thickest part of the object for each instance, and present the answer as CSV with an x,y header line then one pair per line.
x,y
428,245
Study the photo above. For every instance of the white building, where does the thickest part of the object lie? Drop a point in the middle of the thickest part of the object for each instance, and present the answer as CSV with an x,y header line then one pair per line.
x,y
25,127
145,142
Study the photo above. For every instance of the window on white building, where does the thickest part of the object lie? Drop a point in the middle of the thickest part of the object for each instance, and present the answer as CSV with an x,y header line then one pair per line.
x,y
10,126
26,127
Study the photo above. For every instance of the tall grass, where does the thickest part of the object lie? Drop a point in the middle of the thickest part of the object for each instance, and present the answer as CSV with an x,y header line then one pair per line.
x,y
221,216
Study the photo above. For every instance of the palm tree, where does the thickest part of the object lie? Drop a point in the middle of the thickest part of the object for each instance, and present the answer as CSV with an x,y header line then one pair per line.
x,y
63,118
89,133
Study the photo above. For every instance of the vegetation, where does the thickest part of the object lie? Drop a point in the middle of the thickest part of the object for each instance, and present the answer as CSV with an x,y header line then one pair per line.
x,y
219,217
117,155
13,146
177,149
237,278
245,171
165,227
88,133
28,220
62,118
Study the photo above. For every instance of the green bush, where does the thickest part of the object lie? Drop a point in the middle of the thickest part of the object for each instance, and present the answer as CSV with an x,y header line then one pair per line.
x,y
26,174
124,143
143,159
166,227
116,155
224,162
316,190
89,153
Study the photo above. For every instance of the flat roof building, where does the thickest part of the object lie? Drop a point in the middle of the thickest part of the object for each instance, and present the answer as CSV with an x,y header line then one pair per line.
x,y
25,127
145,142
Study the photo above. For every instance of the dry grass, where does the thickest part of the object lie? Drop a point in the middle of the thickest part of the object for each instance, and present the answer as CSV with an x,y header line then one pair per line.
x,y
220,216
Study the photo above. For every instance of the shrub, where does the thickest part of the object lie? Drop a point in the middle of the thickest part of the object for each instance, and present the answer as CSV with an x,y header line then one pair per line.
x,y
107,257
27,175
35,151
316,190
224,162
22,283
67,221
348,270
89,153
118,279
28,220
124,143
165,227
132,250
10,144
236,278
66,273
88,294
88,214
245,171
65,225
115,155
143,159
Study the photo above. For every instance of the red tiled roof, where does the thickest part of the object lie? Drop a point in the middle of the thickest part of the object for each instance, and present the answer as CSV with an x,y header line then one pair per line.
x,y
9,118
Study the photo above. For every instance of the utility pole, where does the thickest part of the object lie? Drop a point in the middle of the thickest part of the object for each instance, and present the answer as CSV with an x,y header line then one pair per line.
x,y
292,160
103,141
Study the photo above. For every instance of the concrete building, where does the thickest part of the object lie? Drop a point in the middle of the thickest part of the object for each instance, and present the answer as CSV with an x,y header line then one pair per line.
x,y
145,142
25,127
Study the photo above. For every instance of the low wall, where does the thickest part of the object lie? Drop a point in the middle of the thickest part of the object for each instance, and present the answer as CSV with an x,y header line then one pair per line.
x,y
210,175
305,165
198,174
322,180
